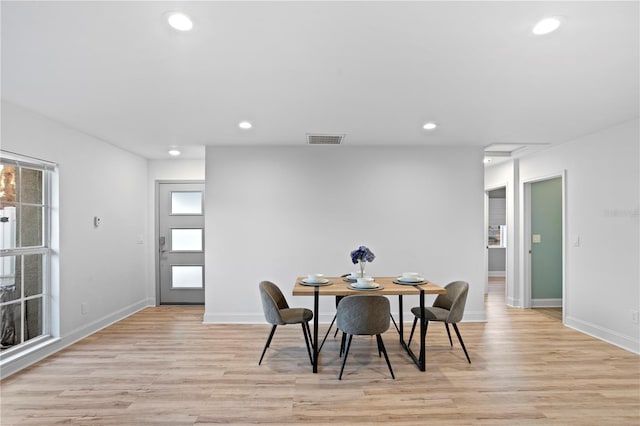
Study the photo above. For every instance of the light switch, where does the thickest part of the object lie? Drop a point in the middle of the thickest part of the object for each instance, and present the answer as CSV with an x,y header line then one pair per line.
x,y
535,238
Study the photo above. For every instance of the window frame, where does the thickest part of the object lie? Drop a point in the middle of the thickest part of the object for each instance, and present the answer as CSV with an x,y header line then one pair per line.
x,y
45,295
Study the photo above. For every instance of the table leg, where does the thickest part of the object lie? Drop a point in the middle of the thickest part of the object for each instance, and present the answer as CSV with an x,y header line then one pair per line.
x,y
316,296
420,360
423,336
401,319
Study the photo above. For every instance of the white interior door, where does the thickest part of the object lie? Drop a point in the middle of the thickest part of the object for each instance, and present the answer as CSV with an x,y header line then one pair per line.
x,y
180,243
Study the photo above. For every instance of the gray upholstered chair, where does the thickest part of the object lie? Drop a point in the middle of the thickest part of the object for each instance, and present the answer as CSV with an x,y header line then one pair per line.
x,y
447,308
364,315
338,299
277,312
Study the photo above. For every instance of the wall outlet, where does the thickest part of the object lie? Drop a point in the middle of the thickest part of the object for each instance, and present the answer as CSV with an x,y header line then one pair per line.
x,y
634,317
84,308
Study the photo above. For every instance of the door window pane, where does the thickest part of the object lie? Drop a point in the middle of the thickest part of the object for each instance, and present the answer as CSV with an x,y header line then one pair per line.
x,y
186,240
187,276
186,202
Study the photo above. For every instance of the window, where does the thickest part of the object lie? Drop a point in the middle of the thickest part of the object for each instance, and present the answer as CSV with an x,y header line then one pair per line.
x,y
25,201
186,202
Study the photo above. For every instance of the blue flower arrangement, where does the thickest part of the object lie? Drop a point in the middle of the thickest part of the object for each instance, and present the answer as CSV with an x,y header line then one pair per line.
x,y
363,255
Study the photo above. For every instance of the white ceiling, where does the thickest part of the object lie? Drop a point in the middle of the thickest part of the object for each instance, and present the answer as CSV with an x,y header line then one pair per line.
x,y
374,71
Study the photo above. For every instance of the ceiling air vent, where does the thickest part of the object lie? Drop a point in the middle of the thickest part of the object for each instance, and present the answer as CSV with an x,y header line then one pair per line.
x,y
316,139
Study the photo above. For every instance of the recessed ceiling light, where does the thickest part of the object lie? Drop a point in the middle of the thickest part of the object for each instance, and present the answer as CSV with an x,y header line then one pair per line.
x,y
245,125
180,22
429,126
174,152
547,25
486,160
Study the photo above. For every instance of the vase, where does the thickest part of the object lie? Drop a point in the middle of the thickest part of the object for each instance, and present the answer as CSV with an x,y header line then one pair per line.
x,y
362,265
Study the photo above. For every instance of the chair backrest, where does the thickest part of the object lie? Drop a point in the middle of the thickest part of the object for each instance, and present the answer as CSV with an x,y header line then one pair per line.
x,y
272,301
454,300
364,315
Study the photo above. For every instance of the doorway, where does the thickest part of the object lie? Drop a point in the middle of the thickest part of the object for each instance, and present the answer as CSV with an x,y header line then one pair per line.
x,y
496,238
544,237
180,242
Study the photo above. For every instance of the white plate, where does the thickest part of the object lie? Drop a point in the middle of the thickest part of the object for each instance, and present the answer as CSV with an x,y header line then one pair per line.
x,y
311,282
410,280
376,286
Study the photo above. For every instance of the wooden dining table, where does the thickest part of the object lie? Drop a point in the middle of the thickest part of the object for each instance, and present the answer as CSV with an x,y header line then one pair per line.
x,y
339,286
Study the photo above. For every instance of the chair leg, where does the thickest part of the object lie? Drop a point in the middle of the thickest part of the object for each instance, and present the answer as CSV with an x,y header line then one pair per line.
x,y
307,338
346,352
329,331
394,323
273,330
455,327
384,351
413,328
448,333
344,337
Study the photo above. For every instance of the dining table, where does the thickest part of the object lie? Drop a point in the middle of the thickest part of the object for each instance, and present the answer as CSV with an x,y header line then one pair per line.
x,y
386,286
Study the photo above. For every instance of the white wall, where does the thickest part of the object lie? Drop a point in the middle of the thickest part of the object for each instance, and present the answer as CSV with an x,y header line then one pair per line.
x,y
103,267
159,170
275,213
602,275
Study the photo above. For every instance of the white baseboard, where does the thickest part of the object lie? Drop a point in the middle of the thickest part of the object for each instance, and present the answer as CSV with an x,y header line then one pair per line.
x,y
513,302
629,343
546,303
22,360
497,273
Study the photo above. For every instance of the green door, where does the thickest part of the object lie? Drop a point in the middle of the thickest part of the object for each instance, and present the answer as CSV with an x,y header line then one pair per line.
x,y
546,240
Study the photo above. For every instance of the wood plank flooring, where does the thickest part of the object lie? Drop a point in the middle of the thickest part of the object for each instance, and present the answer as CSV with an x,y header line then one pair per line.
x,y
162,366
555,313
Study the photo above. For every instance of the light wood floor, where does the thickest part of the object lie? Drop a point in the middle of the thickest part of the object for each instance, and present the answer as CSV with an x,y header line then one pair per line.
x,y
163,367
